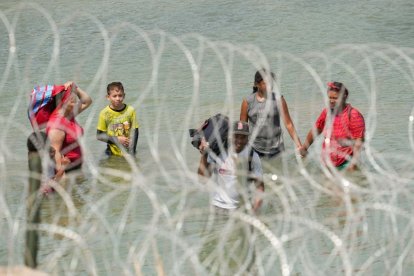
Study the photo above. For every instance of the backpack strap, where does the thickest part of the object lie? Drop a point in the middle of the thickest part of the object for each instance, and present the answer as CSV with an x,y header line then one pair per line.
x,y
349,113
349,118
251,152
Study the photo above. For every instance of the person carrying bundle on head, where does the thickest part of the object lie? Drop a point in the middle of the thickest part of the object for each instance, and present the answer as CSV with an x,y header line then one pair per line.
x,y
52,110
64,131
224,169
229,245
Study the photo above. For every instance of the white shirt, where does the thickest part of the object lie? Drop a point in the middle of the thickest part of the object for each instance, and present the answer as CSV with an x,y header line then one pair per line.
x,y
227,195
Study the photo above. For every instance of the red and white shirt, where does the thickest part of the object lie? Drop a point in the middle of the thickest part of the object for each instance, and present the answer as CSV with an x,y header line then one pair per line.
x,y
339,131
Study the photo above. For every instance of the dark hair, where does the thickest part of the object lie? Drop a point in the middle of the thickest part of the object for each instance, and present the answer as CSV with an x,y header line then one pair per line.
x,y
259,76
115,84
338,87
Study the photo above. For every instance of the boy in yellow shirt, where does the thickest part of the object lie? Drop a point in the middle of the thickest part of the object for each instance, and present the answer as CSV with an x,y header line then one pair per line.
x,y
118,125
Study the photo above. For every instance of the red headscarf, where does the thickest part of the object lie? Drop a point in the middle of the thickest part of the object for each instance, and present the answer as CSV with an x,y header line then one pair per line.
x,y
43,103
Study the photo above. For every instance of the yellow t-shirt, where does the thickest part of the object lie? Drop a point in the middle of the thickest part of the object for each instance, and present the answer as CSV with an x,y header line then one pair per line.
x,y
117,123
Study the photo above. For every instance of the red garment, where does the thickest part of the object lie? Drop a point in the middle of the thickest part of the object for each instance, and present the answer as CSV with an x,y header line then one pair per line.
x,y
73,131
339,132
42,103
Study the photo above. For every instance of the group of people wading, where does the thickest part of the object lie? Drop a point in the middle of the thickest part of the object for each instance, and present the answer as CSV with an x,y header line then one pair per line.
x,y
257,136
234,167
259,132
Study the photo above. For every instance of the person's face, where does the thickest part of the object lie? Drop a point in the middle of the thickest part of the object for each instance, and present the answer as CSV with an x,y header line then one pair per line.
x,y
240,142
336,100
261,86
71,103
116,98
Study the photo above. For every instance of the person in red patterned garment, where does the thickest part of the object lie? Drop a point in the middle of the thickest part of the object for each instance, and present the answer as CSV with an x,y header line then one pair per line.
x,y
64,132
343,127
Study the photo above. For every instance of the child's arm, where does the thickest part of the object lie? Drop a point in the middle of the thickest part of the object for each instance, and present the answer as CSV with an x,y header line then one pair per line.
x,y
135,134
133,147
117,140
104,137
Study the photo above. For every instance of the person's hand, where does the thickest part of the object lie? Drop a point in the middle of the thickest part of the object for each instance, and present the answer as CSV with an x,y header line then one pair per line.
x,y
352,167
65,161
123,141
302,151
67,84
60,172
203,145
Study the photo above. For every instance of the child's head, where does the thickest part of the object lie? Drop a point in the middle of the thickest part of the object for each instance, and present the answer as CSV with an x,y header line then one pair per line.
x,y
114,86
115,95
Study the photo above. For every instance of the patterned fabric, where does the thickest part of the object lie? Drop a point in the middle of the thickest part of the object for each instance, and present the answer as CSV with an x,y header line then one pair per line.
x,y
41,103
339,132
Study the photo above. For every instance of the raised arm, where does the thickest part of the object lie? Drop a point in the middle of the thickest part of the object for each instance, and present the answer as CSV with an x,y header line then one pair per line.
x,y
84,98
289,123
